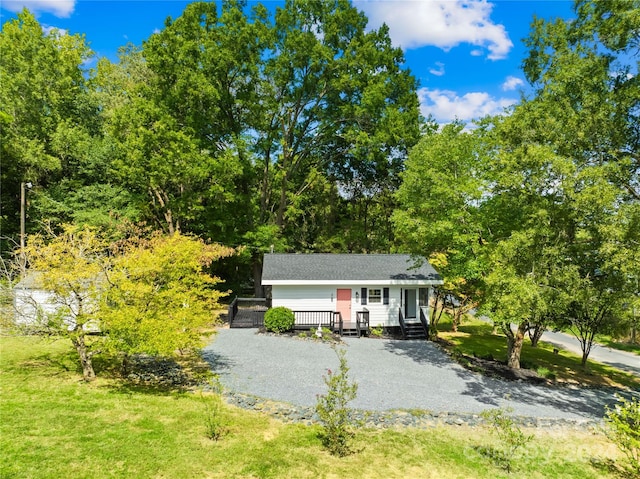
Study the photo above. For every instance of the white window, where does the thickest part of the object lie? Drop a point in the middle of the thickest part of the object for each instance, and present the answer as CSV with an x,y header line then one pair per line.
x,y
375,296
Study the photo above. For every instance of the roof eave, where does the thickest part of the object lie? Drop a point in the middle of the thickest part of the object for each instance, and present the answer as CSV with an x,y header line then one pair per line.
x,y
344,282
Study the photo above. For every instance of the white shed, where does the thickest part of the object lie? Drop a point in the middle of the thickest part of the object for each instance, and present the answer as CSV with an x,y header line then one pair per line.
x,y
32,303
391,288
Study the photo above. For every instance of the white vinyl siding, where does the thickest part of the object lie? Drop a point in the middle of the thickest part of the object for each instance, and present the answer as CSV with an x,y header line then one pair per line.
x,y
323,298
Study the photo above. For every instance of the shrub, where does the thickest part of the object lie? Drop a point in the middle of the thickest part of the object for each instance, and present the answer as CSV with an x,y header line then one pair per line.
x,y
279,319
511,437
377,332
335,415
623,428
215,424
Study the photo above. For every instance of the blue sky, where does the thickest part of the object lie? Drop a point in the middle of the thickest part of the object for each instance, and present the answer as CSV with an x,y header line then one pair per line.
x,y
466,54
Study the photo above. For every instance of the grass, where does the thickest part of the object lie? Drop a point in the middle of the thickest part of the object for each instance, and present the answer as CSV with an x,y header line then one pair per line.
x,y
55,425
476,338
612,343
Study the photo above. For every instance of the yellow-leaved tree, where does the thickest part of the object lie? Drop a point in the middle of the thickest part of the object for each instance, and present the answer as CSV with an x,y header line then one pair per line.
x,y
71,267
160,296
150,296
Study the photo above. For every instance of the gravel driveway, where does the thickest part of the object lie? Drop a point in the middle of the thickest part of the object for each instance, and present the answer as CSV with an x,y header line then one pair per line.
x,y
391,374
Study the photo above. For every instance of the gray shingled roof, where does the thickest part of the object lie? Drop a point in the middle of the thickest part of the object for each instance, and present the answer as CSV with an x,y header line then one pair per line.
x,y
345,267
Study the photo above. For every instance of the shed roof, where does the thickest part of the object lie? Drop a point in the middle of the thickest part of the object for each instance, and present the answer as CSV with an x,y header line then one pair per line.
x,y
346,268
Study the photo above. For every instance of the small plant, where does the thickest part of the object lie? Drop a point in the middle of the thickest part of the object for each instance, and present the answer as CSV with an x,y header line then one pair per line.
x,y
335,415
376,331
510,435
623,428
279,319
546,373
214,418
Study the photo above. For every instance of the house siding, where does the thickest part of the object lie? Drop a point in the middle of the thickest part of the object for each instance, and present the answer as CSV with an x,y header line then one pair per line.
x,y
324,298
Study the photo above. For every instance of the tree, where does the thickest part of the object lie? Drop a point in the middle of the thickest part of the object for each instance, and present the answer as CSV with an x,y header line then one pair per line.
x,y
72,267
302,102
150,296
160,297
440,217
45,107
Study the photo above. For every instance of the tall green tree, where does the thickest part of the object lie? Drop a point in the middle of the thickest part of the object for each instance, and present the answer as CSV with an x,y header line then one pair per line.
x,y
46,114
440,210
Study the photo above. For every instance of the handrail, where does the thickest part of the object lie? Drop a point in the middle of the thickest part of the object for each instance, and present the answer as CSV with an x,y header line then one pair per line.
x,y
362,322
423,319
309,319
340,322
232,310
403,327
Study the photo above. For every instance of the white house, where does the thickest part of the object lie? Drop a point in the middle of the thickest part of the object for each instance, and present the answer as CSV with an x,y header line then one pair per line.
x,y
389,287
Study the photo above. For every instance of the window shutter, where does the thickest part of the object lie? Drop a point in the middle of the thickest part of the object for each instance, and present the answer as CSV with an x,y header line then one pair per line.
x,y
363,296
385,296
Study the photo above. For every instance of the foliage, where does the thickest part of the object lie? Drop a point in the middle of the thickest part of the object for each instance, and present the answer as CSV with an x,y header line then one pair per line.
x,y
623,428
72,266
335,415
376,331
214,416
160,297
279,319
542,203
510,435
144,296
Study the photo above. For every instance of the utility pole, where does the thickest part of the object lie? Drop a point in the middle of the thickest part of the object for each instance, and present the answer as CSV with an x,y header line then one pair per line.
x,y
23,203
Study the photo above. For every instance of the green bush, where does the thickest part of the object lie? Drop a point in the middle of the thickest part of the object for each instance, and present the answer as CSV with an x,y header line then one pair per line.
x,y
279,319
623,428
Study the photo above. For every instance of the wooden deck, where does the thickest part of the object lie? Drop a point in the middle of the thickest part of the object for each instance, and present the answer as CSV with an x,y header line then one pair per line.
x,y
249,313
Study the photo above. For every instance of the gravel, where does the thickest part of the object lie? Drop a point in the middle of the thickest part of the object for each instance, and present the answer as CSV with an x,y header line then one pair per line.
x,y
391,375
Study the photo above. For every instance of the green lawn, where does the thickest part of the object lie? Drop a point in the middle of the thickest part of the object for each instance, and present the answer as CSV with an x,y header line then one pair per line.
x,y
476,338
618,344
54,425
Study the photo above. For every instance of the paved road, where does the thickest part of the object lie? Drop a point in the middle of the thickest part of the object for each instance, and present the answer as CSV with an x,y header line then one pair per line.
x,y
620,359
391,374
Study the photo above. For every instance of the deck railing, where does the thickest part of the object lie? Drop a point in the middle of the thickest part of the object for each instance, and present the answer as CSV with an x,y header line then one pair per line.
x,y
424,315
247,312
313,319
403,326
362,322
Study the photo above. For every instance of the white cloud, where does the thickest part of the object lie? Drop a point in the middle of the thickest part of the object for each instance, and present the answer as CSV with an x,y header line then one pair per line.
x,y
512,83
440,23
446,105
59,8
437,71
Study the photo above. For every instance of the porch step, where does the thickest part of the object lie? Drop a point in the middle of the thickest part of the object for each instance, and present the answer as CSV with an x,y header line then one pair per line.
x,y
349,332
414,331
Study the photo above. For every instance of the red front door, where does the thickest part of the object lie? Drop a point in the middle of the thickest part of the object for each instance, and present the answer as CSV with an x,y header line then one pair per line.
x,y
344,304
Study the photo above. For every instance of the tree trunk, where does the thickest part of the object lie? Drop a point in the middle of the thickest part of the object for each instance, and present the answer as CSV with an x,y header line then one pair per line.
x,y
258,290
88,373
514,343
125,365
535,336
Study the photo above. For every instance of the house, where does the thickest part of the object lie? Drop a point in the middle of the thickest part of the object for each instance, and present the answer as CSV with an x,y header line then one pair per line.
x,y
387,290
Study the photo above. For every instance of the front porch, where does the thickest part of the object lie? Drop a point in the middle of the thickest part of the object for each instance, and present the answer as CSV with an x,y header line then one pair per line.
x,y
249,313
